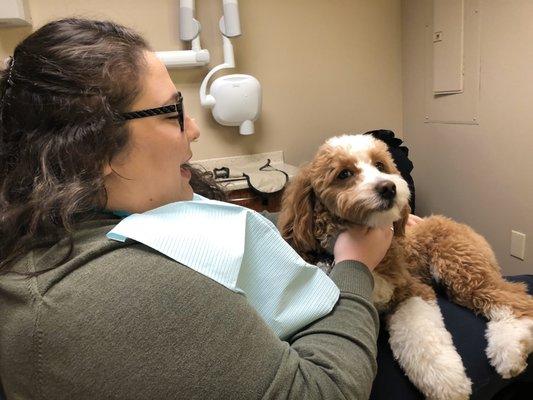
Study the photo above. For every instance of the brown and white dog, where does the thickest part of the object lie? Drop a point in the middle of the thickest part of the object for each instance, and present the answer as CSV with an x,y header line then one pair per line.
x,y
353,180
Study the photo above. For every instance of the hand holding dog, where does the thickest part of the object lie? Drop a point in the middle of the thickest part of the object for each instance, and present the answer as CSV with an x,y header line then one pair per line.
x,y
412,220
364,244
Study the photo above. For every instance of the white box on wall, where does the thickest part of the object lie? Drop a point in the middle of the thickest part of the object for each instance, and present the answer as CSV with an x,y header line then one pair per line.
x,y
455,107
14,13
448,24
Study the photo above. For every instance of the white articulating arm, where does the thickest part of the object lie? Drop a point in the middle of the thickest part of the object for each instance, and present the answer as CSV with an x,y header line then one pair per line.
x,y
230,26
189,27
207,100
189,31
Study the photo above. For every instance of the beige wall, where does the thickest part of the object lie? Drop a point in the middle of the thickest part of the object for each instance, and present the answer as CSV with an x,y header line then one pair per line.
x,y
479,174
326,67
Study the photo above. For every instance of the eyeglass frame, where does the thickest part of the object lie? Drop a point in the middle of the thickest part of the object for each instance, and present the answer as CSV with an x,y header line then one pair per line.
x,y
168,109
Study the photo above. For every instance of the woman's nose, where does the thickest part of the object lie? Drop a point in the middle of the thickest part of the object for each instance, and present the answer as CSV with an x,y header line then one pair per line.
x,y
192,130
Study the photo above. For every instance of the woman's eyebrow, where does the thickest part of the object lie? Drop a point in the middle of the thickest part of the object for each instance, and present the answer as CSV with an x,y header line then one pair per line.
x,y
171,100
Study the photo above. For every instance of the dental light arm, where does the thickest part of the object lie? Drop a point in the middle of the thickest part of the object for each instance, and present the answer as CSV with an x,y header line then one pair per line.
x,y
230,23
189,27
189,31
206,100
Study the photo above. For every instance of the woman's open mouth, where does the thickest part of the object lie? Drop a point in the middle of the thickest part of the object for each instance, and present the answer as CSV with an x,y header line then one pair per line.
x,y
185,170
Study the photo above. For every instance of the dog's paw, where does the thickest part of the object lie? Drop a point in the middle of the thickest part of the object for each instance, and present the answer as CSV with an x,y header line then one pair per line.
x,y
425,350
510,341
442,376
457,387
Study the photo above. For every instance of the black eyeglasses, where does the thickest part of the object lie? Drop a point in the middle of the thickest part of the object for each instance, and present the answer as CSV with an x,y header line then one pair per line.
x,y
171,108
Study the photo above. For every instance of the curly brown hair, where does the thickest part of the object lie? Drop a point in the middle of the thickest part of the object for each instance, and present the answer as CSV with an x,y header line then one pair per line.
x,y
61,96
61,99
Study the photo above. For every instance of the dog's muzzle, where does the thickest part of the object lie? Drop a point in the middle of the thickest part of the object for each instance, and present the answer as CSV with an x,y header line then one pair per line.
x,y
386,190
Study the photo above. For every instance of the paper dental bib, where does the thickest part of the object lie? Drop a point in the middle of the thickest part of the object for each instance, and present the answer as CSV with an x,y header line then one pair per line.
x,y
241,250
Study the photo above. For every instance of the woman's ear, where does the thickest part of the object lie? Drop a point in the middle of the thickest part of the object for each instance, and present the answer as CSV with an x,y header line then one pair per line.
x,y
399,226
295,221
107,170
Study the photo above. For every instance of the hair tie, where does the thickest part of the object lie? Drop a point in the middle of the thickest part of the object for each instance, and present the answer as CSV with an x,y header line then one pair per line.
x,y
11,62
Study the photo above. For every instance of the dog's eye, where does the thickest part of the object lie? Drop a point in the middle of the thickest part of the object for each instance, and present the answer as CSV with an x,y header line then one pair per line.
x,y
344,174
380,166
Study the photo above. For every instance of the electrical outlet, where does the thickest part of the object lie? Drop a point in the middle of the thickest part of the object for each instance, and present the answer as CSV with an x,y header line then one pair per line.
x,y
518,244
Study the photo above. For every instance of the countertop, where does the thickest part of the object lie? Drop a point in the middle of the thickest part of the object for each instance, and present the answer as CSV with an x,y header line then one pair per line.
x,y
238,164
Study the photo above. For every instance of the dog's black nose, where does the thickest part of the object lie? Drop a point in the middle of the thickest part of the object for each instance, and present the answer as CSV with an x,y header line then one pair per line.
x,y
386,189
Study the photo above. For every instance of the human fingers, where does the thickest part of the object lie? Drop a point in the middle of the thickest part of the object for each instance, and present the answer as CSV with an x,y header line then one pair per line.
x,y
367,245
412,220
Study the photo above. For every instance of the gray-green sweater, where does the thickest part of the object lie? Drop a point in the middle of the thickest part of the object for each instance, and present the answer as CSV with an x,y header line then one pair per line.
x,y
121,321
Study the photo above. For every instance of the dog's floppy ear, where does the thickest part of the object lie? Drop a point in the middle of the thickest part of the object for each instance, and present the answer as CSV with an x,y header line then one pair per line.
x,y
295,221
399,226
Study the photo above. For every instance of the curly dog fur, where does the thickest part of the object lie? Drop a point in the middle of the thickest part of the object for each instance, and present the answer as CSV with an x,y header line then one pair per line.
x,y
353,180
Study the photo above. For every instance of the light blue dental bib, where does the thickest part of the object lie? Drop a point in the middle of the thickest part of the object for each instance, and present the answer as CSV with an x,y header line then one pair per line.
x,y
241,250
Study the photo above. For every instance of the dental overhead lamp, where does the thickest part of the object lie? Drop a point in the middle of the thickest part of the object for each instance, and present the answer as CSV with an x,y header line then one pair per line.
x,y
234,100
